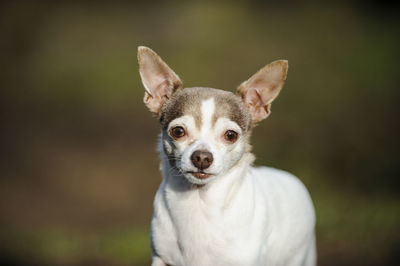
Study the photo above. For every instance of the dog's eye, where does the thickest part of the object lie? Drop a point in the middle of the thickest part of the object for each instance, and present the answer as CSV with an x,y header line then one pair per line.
x,y
177,132
231,136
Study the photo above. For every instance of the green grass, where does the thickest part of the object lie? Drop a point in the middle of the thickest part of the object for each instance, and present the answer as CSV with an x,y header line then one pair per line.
x,y
119,247
361,225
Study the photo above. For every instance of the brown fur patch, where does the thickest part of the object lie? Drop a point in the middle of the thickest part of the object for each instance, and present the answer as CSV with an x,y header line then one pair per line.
x,y
188,101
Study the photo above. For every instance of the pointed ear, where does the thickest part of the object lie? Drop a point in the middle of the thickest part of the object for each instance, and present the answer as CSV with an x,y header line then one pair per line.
x,y
158,79
261,89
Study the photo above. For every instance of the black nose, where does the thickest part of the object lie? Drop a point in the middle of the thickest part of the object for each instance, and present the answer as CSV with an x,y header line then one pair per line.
x,y
202,159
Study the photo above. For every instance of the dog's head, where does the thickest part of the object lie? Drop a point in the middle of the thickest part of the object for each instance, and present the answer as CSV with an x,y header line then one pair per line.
x,y
205,130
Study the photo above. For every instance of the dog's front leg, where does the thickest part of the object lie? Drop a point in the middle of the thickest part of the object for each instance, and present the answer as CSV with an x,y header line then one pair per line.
x,y
156,261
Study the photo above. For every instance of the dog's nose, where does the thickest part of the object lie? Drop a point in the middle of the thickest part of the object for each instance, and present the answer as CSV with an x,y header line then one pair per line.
x,y
202,159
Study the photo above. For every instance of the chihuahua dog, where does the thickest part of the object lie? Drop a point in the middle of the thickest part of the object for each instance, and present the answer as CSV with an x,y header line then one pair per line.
x,y
213,207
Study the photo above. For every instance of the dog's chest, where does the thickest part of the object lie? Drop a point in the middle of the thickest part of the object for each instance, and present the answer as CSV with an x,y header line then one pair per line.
x,y
189,231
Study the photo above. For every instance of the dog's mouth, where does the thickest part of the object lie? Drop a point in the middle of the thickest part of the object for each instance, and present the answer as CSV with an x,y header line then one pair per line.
x,y
200,175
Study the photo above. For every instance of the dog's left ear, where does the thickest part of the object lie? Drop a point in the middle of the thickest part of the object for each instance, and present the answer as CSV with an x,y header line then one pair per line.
x,y
159,80
262,88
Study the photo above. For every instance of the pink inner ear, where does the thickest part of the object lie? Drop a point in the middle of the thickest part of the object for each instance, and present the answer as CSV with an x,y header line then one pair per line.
x,y
253,97
158,79
153,104
256,105
153,77
261,89
266,90
163,89
160,94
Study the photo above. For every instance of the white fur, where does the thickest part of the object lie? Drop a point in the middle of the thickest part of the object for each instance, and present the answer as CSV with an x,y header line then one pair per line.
x,y
241,215
207,112
208,137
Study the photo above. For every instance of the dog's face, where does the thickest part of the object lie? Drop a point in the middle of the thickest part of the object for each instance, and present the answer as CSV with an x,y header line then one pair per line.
x,y
204,130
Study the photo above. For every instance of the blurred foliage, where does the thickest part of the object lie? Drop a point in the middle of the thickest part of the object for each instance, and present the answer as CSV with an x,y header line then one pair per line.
x,y
122,247
79,167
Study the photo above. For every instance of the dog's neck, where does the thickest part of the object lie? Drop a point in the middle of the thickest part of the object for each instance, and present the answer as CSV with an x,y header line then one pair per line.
x,y
217,193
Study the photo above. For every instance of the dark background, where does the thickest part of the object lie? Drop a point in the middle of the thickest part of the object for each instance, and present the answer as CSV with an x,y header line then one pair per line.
x,y
79,168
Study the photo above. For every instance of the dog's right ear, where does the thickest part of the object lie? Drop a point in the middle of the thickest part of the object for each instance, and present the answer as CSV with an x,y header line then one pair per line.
x,y
262,88
158,79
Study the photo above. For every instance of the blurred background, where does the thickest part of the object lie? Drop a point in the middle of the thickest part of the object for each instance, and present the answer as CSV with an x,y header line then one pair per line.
x,y
79,167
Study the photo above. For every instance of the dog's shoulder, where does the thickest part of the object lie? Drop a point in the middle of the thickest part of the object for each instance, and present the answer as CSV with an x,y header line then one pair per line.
x,y
283,189
277,178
